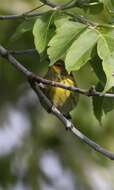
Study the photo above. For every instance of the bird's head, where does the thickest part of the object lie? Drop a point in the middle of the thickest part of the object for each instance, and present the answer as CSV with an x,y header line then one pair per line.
x,y
59,68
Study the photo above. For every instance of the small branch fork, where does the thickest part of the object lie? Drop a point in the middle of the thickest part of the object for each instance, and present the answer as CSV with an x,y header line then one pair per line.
x,y
54,6
34,80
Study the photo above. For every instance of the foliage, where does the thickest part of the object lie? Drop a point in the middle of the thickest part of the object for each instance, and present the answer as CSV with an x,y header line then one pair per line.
x,y
65,34
82,36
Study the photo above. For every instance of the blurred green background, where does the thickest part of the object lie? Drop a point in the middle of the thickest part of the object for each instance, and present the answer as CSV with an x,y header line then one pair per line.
x,y
35,150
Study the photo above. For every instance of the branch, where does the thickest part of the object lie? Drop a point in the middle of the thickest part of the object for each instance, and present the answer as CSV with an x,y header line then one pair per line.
x,y
20,16
68,124
89,92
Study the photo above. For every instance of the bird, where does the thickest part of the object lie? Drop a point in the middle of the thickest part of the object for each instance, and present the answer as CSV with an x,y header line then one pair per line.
x,y
64,100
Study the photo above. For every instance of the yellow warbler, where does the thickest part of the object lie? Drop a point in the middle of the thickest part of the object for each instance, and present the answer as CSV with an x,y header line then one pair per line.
x,y
64,100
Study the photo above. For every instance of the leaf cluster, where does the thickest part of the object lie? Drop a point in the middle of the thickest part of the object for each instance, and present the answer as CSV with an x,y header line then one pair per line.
x,y
81,35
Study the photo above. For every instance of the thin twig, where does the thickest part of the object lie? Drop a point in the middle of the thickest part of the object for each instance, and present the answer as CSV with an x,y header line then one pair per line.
x,y
32,10
22,52
89,92
68,124
81,19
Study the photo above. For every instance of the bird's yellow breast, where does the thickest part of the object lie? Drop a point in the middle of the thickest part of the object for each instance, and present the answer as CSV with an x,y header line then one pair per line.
x,y
59,95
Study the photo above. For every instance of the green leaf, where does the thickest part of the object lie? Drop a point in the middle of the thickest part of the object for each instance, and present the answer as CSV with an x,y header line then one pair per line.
x,y
108,104
98,104
61,19
108,66
63,39
106,53
108,35
42,31
80,51
102,104
96,64
25,26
